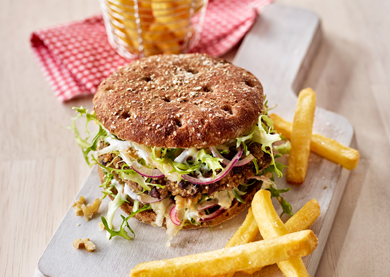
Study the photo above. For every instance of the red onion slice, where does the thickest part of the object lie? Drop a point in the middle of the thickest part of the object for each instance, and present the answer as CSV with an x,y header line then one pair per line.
x,y
211,216
244,161
173,215
146,172
223,173
218,155
225,161
207,205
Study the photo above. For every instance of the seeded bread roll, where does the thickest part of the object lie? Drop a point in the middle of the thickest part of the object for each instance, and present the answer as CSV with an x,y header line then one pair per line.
x,y
179,101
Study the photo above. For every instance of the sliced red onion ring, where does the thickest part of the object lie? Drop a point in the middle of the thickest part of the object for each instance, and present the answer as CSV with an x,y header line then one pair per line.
x,y
244,161
173,215
223,173
146,172
207,205
225,161
211,216
218,155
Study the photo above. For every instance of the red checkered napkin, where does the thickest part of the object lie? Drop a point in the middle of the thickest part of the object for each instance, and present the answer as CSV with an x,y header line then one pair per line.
x,y
76,57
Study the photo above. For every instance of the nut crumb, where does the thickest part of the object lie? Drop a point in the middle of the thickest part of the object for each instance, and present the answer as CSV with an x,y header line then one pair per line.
x,y
89,245
101,226
86,210
77,206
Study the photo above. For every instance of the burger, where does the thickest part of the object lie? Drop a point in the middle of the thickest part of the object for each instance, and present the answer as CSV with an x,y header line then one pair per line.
x,y
184,141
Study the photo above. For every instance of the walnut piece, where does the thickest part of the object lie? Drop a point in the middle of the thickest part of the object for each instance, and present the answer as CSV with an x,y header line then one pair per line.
x,y
186,202
86,243
86,210
77,206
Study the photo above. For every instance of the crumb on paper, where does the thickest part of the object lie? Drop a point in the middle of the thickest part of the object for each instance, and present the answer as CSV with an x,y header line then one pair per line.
x,y
86,243
325,187
86,210
78,224
101,226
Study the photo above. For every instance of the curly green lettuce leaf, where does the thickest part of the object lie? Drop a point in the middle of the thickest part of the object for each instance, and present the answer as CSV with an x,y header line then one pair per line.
x,y
135,177
254,161
125,224
84,143
202,160
107,185
286,207
211,162
283,148
264,134
122,232
242,141
237,195
271,169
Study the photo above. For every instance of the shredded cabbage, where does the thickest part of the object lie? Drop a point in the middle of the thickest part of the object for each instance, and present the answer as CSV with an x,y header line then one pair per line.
x,y
160,209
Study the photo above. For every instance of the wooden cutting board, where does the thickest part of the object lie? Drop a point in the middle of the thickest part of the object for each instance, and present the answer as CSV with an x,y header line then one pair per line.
x,y
278,50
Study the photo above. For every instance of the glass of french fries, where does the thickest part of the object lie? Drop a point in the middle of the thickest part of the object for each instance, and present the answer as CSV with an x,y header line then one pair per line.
x,y
139,28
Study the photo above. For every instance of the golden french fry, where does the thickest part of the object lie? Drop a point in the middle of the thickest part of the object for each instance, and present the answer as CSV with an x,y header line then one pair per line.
x,y
301,136
304,218
271,226
243,257
300,221
328,148
246,233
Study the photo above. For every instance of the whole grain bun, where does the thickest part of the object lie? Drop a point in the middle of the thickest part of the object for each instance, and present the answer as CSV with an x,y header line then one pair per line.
x,y
179,101
149,216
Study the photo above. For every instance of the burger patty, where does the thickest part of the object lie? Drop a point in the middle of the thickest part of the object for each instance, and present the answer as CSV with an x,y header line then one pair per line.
x,y
236,176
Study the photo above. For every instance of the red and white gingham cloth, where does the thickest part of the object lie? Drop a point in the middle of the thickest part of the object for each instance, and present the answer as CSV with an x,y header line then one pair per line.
x,y
76,57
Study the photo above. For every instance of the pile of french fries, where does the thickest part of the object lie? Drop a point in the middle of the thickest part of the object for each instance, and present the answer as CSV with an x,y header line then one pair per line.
x,y
283,244
151,26
303,141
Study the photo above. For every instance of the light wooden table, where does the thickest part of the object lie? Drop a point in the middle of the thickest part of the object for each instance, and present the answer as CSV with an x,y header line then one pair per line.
x,y
41,168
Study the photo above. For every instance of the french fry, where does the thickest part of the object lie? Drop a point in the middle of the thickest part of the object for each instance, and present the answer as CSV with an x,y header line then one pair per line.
x,y
246,233
328,148
301,136
223,261
300,221
271,226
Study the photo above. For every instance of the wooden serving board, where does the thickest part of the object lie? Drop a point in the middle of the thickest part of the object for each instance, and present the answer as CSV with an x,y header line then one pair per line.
x,y
278,50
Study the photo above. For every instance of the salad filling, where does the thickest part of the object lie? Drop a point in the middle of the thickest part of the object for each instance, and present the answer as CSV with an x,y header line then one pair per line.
x,y
182,186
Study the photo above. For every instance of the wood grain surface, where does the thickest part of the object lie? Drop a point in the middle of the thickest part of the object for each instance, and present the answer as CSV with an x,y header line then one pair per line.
x,y
350,75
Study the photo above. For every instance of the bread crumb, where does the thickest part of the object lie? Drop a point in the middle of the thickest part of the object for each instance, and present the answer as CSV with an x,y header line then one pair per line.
x,y
86,243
